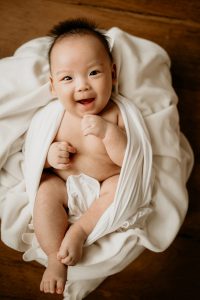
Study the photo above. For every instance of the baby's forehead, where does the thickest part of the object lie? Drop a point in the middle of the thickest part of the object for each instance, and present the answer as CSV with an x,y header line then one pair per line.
x,y
83,38
86,43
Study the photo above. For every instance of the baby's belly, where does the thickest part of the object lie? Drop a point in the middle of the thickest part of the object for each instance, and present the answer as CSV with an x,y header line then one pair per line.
x,y
99,168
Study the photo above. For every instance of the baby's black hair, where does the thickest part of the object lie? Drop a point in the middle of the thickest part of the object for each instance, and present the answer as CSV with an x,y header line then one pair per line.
x,y
79,26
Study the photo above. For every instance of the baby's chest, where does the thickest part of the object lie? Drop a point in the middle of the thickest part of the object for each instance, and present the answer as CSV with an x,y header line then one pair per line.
x,y
88,145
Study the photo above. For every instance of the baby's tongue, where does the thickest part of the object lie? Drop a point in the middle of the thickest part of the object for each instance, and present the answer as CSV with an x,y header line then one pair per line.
x,y
86,101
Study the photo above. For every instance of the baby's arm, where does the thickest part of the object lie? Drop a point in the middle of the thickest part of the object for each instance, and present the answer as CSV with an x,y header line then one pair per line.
x,y
113,136
58,155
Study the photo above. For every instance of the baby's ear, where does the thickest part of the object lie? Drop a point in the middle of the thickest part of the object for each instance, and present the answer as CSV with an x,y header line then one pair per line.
x,y
114,74
52,86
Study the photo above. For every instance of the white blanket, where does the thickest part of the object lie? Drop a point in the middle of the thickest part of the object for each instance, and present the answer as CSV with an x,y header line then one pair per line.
x,y
144,82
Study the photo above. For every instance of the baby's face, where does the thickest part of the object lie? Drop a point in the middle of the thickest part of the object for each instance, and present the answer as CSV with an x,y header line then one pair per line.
x,y
81,74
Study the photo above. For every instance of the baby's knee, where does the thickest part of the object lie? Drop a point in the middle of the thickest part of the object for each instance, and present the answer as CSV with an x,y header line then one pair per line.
x,y
51,187
109,186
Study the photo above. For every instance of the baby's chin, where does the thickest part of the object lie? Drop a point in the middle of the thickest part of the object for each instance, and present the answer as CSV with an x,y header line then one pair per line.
x,y
87,112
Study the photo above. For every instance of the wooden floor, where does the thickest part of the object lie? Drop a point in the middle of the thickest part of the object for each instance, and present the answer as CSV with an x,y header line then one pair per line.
x,y
175,273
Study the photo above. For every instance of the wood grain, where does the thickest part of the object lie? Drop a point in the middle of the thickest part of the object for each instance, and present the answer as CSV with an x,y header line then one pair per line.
x,y
20,20
181,10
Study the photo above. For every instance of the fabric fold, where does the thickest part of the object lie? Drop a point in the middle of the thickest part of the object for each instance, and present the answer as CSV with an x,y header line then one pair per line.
x,y
156,170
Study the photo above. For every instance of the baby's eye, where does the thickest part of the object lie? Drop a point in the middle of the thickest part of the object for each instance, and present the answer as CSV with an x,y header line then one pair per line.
x,y
67,78
94,72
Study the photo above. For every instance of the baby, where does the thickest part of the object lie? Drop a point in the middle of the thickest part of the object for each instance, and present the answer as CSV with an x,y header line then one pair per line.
x,y
91,140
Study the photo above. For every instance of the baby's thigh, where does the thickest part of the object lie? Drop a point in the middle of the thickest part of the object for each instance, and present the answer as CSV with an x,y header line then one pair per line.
x,y
109,186
52,189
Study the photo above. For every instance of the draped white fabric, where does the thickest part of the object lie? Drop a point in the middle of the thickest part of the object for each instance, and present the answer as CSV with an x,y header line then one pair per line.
x,y
148,102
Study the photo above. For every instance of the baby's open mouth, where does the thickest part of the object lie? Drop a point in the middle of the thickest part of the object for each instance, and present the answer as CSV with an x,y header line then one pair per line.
x,y
86,101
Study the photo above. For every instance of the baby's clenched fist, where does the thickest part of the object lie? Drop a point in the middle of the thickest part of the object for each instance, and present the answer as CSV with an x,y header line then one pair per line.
x,y
58,155
94,125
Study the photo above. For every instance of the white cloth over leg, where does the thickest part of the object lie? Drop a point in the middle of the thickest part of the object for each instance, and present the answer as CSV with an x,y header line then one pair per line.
x,y
144,79
82,190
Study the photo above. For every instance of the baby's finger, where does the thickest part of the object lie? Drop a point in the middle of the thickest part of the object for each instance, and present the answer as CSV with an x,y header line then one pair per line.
x,y
88,117
63,146
88,130
62,160
63,154
86,122
63,166
69,261
71,149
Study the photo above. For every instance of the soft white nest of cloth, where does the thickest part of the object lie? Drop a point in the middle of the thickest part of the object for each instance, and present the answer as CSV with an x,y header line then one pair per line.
x,y
151,199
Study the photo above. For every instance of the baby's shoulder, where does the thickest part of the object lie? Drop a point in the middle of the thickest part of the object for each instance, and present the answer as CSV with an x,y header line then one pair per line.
x,y
109,111
112,109
113,114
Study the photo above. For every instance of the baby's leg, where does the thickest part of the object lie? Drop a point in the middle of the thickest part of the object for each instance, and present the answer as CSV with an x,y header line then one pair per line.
x,y
71,248
50,224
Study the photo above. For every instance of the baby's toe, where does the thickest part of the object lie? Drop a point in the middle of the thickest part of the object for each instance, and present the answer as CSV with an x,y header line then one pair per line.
x,y
42,286
46,287
52,286
60,286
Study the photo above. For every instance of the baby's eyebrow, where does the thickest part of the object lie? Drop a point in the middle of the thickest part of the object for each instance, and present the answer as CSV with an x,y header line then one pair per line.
x,y
95,63
62,71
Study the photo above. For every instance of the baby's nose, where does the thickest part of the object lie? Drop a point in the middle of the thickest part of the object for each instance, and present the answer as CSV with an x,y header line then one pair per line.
x,y
82,85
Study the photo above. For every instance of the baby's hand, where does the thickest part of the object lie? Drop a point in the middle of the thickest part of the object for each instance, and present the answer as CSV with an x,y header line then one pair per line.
x,y
71,248
94,125
58,155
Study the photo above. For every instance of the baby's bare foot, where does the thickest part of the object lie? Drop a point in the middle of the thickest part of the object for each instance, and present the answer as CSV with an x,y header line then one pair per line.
x,y
71,247
54,277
